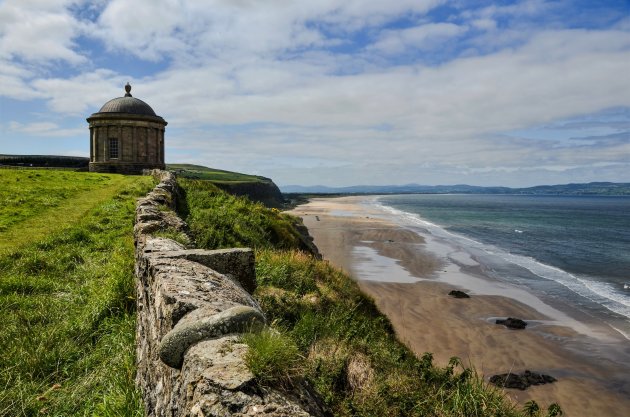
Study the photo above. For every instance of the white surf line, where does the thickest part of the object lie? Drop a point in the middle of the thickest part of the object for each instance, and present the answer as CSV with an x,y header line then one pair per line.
x,y
452,273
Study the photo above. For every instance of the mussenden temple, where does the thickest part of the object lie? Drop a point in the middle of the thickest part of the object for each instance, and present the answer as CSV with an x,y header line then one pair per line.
x,y
126,136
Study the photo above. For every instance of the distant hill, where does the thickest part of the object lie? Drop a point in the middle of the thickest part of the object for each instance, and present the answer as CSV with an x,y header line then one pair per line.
x,y
592,188
51,161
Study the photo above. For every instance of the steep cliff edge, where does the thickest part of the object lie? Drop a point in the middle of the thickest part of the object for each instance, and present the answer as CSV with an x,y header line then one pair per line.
x,y
265,192
256,188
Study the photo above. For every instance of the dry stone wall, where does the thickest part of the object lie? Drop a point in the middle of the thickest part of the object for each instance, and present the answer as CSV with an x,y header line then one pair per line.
x,y
192,306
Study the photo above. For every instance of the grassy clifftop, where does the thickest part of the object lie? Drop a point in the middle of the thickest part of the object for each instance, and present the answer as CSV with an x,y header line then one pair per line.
x,y
200,172
254,187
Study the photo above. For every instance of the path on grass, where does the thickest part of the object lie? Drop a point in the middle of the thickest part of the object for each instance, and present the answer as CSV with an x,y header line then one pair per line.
x,y
52,220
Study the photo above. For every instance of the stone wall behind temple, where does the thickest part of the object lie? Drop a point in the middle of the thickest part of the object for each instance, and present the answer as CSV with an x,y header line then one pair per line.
x,y
192,306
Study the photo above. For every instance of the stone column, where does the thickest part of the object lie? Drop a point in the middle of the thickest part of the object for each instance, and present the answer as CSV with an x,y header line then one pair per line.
x,y
91,144
134,134
162,145
156,144
106,144
158,148
146,144
98,154
121,147
134,145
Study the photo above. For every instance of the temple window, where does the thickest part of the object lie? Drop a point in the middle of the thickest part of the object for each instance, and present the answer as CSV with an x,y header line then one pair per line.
x,y
113,148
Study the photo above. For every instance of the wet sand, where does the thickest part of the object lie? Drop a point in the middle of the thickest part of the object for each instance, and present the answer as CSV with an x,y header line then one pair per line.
x,y
410,285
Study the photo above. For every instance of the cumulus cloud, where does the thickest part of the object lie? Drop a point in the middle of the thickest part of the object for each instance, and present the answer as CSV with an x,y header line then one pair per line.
x,y
427,36
48,129
77,95
220,28
36,30
12,82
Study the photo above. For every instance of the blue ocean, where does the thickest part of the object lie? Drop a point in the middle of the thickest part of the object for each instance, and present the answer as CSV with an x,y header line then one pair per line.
x,y
572,249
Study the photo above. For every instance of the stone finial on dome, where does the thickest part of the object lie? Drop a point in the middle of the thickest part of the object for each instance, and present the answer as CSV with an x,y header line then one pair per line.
x,y
128,90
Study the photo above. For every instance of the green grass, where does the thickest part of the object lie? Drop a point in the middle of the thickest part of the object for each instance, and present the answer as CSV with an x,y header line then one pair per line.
x,y
326,331
67,345
210,174
273,357
35,203
352,356
235,221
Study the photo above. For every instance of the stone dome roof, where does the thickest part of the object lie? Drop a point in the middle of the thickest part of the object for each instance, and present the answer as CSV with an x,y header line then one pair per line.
x,y
127,104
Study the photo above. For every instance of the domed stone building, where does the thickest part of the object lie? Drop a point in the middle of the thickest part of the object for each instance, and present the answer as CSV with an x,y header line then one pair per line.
x,y
126,136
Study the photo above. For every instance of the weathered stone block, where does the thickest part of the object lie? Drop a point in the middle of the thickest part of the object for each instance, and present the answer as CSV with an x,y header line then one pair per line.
x,y
205,325
235,262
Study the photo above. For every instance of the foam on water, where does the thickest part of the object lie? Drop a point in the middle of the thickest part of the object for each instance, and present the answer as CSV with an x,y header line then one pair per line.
x,y
598,292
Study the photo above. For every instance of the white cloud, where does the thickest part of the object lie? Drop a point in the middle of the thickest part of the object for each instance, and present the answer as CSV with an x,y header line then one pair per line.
x,y
556,75
484,24
227,29
518,9
12,82
81,94
38,31
48,129
427,36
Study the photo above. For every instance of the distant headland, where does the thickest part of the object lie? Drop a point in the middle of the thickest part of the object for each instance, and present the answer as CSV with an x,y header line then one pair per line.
x,y
591,188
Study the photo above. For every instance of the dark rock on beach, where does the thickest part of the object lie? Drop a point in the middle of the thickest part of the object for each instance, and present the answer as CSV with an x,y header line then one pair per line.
x,y
521,381
458,294
512,323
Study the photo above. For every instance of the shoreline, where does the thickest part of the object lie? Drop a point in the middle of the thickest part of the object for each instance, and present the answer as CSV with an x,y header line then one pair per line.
x,y
408,276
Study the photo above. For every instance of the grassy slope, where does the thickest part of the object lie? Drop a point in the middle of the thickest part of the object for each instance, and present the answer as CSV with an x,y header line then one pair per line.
x,y
36,203
236,221
255,187
66,293
214,175
326,330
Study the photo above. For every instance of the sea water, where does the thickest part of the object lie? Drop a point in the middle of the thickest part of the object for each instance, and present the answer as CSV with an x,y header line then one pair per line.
x,y
572,249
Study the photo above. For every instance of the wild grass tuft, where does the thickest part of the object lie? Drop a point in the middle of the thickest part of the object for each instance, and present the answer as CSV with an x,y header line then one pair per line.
x,y
273,357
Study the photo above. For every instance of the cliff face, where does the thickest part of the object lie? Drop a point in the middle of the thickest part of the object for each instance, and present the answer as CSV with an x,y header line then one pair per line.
x,y
265,192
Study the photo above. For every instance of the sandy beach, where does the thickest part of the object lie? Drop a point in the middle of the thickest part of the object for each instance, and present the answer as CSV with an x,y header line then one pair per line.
x,y
410,283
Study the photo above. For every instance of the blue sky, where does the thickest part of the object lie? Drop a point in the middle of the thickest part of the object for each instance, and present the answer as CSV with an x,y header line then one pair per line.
x,y
334,92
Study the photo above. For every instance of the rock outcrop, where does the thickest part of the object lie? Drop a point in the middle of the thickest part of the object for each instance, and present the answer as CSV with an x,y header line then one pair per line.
x,y
512,323
458,294
192,306
521,381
